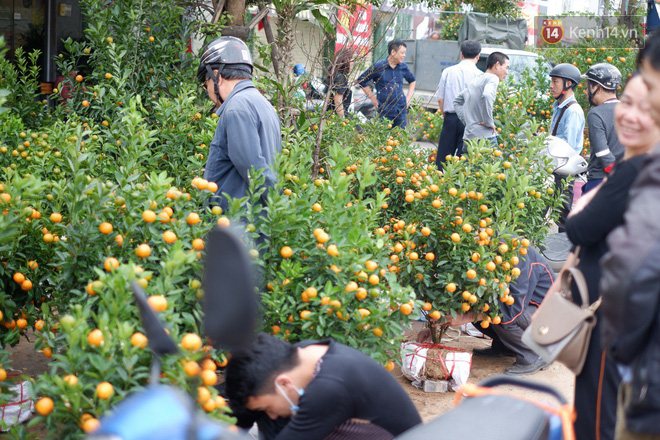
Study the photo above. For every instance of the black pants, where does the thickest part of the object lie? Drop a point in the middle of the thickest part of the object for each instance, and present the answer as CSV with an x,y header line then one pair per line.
x,y
451,138
510,336
567,191
595,397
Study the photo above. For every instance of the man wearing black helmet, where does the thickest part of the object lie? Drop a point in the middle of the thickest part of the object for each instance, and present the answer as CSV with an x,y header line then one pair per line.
x,y
603,79
567,123
248,133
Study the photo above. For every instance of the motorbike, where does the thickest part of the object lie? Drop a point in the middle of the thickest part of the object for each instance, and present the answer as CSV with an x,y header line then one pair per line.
x,y
494,411
565,162
230,306
363,108
316,88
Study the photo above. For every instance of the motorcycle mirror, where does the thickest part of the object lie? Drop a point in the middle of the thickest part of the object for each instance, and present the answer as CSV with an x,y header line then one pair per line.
x,y
159,341
230,302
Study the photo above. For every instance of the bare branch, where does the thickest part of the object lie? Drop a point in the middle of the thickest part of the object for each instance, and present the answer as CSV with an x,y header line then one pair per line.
x,y
218,10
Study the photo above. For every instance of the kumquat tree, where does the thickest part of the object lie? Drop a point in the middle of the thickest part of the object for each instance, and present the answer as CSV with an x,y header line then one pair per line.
x,y
101,186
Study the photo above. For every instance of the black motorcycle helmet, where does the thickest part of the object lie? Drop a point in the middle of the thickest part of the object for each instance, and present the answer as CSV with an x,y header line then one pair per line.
x,y
221,52
567,72
605,75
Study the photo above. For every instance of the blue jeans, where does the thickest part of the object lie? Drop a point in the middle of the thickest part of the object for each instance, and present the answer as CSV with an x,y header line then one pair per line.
x,y
591,184
399,119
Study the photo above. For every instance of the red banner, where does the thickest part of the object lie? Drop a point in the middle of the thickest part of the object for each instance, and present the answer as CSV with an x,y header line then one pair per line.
x,y
529,11
354,29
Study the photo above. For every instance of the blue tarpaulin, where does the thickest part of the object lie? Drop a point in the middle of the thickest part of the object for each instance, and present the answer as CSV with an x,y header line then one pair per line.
x,y
652,19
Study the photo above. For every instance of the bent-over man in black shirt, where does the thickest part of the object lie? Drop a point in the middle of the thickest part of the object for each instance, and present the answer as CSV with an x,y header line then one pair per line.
x,y
315,390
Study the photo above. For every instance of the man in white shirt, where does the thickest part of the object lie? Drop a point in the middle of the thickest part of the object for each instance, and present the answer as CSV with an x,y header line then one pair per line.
x,y
452,82
474,105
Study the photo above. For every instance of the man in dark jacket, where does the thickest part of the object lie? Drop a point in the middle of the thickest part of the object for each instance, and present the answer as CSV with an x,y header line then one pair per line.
x,y
527,291
630,285
525,295
248,133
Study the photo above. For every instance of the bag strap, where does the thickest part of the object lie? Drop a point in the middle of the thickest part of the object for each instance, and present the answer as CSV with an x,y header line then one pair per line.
x,y
574,274
561,115
577,255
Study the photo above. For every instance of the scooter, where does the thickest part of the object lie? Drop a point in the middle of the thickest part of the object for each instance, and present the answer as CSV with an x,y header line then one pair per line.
x,y
502,415
363,108
315,92
565,162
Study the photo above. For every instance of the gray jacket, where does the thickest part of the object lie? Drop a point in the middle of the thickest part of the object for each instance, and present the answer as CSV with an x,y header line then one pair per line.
x,y
605,146
630,286
248,135
474,106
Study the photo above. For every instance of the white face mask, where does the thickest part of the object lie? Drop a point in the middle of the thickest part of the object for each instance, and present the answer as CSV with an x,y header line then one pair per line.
x,y
294,408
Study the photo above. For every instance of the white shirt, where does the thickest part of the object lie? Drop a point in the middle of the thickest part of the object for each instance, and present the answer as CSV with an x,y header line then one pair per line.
x,y
454,80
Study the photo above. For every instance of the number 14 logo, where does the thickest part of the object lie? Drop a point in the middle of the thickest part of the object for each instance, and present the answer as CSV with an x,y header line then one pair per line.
x,y
552,31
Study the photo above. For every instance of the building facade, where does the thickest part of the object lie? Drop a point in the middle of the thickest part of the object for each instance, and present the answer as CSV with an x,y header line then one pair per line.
x,y
42,25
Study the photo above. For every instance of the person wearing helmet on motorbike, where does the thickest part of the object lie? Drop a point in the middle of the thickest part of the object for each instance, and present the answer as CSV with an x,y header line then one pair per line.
x,y
603,79
298,71
248,132
567,123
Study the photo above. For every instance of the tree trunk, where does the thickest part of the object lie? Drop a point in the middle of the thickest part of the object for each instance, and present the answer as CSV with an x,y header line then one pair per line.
x,y
625,13
235,10
270,38
282,60
285,37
